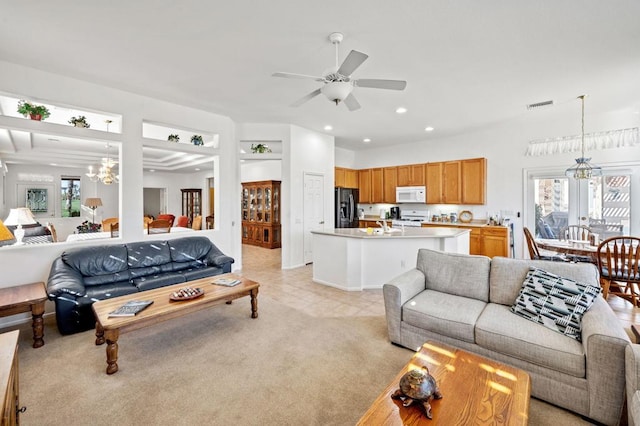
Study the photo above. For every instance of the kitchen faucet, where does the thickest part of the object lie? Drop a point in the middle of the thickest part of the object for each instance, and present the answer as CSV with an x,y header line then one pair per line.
x,y
383,225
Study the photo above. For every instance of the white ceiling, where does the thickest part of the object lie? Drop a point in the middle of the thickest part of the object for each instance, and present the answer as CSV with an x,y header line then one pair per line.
x,y
468,63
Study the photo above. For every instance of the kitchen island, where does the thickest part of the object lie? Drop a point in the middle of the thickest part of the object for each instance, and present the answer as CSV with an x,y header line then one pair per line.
x,y
350,259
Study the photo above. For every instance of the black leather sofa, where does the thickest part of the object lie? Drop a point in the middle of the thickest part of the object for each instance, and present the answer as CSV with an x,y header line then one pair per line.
x,y
82,276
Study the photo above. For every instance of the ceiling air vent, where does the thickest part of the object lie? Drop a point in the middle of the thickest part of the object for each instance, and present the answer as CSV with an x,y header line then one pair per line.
x,y
540,104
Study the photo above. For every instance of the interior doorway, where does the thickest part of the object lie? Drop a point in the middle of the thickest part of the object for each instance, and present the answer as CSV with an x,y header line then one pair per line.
x,y
154,201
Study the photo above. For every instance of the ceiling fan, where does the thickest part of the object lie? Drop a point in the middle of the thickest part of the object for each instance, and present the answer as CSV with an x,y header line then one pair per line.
x,y
338,84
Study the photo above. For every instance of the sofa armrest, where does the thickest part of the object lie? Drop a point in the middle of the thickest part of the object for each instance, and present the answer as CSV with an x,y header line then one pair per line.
x,y
396,293
632,373
604,341
219,259
64,280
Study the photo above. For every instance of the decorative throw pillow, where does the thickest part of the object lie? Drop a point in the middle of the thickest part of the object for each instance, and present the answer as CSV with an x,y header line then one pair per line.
x,y
555,302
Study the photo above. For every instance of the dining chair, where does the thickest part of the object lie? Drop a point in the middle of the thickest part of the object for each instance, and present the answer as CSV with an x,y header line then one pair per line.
x,y
159,226
197,223
106,223
577,233
618,261
209,222
183,222
534,251
171,218
114,229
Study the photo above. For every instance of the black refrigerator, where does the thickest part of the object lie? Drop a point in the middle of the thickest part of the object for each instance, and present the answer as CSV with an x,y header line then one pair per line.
x,y
346,205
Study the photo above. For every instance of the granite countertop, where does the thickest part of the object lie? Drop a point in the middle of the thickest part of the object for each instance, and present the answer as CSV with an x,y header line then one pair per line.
x,y
409,232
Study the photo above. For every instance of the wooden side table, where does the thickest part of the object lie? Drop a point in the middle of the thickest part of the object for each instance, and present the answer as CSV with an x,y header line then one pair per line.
x,y
26,298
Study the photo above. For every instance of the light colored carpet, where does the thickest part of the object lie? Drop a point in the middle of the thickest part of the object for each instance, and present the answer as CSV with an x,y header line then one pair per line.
x,y
220,367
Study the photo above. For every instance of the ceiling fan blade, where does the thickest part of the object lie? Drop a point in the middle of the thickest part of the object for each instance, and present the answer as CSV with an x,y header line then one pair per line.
x,y
351,102
292,75
306,98
381,84
352,61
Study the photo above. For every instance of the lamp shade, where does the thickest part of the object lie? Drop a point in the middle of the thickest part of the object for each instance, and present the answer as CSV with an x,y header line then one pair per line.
x,y
93,202
20,216
337,91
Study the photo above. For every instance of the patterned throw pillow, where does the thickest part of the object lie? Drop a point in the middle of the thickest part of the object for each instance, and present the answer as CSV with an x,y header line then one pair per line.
x,y
555,302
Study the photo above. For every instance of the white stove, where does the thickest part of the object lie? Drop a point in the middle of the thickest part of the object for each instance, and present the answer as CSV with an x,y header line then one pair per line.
x,y
411,218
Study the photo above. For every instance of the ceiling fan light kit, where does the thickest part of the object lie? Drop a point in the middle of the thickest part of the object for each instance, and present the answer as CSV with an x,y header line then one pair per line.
x,y
338,84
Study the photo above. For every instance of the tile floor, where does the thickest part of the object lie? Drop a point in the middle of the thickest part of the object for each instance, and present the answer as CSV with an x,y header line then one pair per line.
x,y
295,288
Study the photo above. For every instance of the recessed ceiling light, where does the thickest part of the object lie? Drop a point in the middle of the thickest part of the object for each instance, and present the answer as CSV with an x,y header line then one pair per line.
x,y
328,127
53,164
197,169
152,170
242,151
428,129
401,110
366,140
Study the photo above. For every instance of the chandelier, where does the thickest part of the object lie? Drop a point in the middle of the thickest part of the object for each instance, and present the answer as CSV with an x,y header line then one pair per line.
x,y
105,174
583,169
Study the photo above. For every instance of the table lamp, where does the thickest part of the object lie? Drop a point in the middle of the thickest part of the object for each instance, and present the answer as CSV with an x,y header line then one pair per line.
x,y
18,217
93,204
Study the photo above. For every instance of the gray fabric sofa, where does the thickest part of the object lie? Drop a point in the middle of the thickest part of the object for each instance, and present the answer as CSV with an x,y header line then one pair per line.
x,y
632,371
465,301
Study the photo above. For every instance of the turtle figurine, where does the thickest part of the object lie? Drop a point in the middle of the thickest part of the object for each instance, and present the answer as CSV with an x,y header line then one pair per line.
x,y
418,386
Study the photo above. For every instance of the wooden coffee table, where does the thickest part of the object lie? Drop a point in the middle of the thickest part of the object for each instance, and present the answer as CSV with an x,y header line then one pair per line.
x,y
163,309
26,298
475,390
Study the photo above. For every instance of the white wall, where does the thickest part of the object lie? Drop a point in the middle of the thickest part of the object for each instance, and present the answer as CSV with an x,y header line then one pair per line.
x,y
255,170
505,146
306,152
26,264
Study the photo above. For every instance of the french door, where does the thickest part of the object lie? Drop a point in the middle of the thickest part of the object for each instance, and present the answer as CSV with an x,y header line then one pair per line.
x,y
602,203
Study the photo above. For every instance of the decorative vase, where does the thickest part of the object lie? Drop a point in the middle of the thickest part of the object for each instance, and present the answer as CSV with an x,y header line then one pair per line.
x,y
36,117
80,124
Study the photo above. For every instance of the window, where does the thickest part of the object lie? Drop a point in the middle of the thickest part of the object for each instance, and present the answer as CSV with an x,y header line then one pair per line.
x,y
70,196
602,203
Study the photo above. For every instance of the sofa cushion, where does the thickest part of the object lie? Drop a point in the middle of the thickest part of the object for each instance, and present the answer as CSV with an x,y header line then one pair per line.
x,y
150,282
499,330
446,314
458,274
98,260
197,273
188,249
555,302
148,253
507,275
107,291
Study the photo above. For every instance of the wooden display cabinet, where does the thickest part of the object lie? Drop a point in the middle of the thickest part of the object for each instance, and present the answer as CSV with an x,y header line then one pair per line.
x,y
9,378
191,203
261,224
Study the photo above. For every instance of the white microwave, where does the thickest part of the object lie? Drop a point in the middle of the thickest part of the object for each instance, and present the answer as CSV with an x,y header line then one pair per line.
x,y
411,194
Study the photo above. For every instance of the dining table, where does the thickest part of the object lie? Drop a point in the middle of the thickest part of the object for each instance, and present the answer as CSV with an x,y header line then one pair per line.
x,y
574,247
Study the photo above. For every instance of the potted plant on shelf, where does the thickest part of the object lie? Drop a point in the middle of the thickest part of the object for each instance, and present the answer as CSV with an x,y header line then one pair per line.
x,y
35,112
260,148
173,138
197,140
80,121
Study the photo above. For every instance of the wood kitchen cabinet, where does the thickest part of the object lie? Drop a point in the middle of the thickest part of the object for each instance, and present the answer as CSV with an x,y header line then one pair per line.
x,y
364,186
410,175
474,180
389,182
260,207
487,240
451,178
346,178
377,185
433,172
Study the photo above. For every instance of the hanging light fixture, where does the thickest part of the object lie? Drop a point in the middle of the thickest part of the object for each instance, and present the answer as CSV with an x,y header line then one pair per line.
x,y
105,173
583,169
